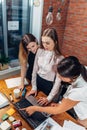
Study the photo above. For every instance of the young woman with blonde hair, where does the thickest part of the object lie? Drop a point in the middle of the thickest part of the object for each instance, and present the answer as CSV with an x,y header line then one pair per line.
x,y
47,58
27,51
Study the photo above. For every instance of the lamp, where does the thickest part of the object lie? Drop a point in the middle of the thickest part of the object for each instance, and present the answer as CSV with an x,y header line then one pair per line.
x,y
58,15
49,17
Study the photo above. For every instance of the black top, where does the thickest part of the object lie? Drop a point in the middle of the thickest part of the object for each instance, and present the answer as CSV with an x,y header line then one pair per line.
x,y
31,58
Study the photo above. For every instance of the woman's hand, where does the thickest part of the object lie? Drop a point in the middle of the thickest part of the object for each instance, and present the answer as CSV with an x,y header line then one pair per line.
x,y
30,110
43,101
21,87
32,92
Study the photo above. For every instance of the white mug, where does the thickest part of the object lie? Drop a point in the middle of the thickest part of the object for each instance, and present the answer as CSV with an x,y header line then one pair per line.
x,y
16,93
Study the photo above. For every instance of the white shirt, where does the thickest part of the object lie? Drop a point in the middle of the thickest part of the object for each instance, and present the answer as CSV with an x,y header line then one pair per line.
x,y
78,92
43,66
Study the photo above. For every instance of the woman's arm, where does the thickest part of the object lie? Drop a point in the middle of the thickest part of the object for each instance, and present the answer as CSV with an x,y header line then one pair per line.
x,y
65,105
34,76
55,88
23,63
35,70
52,94
23,74
57,81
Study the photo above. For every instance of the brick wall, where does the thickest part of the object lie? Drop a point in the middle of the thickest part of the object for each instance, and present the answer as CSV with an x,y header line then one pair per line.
x,y
72,29
60,26
75,36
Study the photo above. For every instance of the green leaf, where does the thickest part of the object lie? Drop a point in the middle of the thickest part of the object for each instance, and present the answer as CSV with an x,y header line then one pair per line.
x,y
4,59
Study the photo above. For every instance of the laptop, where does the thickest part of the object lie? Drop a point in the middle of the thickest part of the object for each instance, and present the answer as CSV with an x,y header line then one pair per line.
x,y
37,117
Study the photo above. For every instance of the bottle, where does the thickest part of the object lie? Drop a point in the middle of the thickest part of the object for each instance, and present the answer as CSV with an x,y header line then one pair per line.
x,y
11,97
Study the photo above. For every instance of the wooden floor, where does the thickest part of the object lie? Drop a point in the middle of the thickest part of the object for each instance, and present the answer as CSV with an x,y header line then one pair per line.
x,y
3,88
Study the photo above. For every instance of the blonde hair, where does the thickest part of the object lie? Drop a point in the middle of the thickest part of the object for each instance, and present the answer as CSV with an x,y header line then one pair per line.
x,y
23,52
23,55
52,33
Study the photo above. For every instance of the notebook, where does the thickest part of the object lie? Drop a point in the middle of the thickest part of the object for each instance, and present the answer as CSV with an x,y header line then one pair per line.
x,y
36,118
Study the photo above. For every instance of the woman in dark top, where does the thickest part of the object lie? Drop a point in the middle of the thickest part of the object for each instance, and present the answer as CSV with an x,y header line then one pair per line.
x,y
31,58
27,51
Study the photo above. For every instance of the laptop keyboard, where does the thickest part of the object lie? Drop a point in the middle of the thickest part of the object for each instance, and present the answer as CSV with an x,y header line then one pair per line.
x,y
34,101
35,119
23,103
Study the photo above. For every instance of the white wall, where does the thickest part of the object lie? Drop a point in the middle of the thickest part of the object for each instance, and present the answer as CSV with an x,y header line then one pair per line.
x,y
37,20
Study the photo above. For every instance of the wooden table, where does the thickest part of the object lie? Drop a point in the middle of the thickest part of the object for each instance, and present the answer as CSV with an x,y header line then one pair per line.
x,y
58,118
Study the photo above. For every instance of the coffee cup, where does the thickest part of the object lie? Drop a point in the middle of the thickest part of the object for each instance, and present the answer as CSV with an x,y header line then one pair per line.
x,y
16,93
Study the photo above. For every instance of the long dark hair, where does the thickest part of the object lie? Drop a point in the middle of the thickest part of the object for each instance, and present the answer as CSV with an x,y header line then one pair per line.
x,y
51,32
26,39
70,67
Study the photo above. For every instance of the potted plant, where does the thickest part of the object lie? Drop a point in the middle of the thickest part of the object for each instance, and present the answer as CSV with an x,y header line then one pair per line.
x,y
4,62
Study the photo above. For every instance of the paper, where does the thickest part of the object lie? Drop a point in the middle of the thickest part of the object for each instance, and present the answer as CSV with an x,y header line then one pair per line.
x,y
13,25
14,82
49,124
3,101
72,126
5,126
11,111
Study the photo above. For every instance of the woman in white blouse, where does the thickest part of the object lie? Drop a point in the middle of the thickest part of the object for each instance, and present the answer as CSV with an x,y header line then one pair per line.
x,y
44,76
70,70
